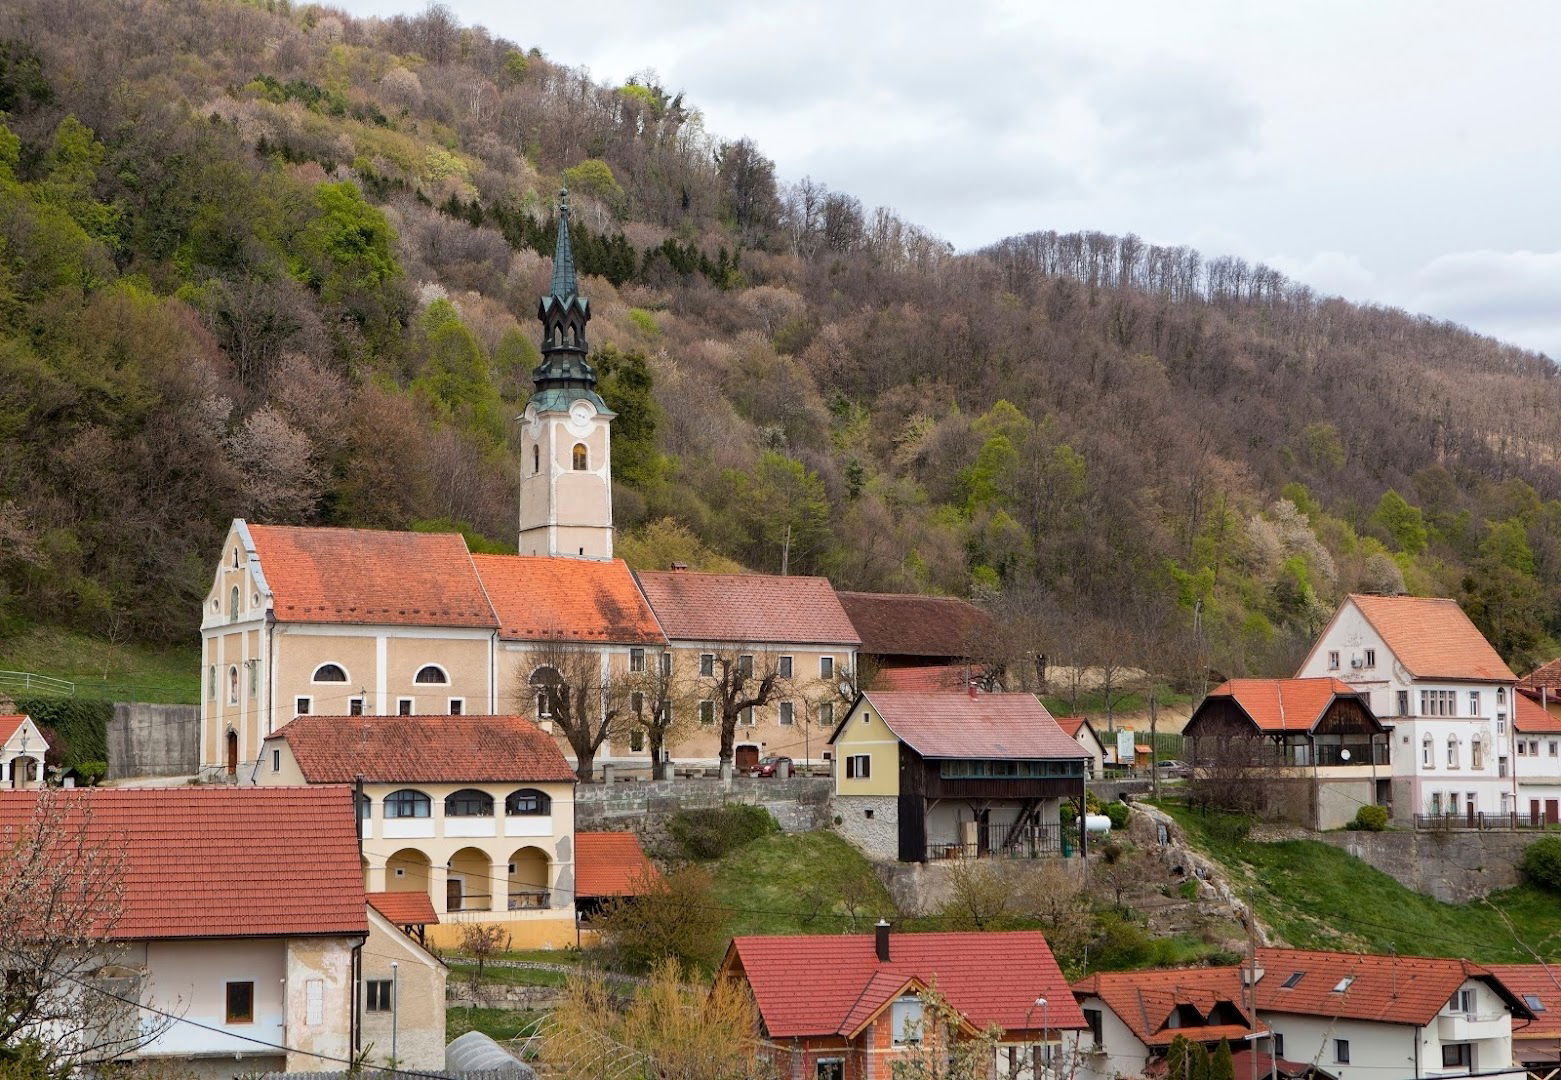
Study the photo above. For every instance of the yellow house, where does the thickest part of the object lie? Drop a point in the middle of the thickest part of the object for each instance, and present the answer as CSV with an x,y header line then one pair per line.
x,y
475,812
403,984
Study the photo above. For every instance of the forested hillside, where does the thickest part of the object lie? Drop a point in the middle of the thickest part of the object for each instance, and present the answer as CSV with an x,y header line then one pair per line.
x,y
280,263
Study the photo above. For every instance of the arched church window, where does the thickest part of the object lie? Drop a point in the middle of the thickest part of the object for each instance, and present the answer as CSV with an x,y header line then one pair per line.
x,y
330,673
233,603
582,457
431,673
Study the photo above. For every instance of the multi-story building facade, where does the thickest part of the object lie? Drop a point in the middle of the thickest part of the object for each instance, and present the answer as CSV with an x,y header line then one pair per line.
x,y
1536,756
1427,672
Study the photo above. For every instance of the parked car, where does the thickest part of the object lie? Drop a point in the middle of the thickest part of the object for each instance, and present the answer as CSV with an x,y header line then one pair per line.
x,y
1173,768
767,766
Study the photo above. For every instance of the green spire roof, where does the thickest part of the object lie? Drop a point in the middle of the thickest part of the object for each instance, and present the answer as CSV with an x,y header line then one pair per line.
x,y
565,283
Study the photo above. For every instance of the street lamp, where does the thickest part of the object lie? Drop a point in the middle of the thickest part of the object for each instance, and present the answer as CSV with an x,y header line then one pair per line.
x,y
1042,1004
395,1009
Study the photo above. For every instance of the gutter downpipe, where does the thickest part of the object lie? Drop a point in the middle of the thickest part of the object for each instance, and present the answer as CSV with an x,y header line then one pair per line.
x,y
356,1035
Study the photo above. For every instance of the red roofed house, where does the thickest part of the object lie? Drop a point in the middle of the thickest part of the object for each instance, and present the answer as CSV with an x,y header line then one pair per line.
x,y
1537,1043
935,637
608,866
402,1004
846,1006
1427,671
22,747
791,628
1081,731
933,775
1322,752
1536,755
474,812
241,911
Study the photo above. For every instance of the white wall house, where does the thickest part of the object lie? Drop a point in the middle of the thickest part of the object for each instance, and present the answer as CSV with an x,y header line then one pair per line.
x,y
22,747
1432,676
1536,757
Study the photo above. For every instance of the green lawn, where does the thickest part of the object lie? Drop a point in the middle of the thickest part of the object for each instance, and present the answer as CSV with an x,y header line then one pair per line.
x,y
498,1023
103,669
803,883
509,976
1317,896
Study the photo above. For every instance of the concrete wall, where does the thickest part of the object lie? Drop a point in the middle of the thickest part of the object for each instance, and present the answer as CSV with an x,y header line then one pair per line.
x,y
798,804
1451,866
870,822
154,740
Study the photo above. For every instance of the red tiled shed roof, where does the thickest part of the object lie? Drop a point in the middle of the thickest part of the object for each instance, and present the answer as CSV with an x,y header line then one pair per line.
x,y
220,862
955,677
1147,1001
610,864
423,749
1532,718
545,597
1433,638
759,608
829,983
365,576
1547,676
943,725
1280,705
901,624
1533,983
412,907
1389,989
9,725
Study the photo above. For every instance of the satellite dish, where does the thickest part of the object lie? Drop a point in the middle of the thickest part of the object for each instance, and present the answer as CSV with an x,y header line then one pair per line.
x,y
1344,755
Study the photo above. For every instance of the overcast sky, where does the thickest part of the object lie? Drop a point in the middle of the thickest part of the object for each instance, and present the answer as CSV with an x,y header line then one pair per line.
x,y
1406,152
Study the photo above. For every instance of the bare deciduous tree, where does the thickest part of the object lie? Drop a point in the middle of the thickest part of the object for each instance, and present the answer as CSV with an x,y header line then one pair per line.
x,y
574,687
661,704
737,681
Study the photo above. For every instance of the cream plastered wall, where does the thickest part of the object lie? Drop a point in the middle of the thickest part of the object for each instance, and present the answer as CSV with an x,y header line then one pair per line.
x,y
234,639
189,979
419,983
319,1000
564,510
865,733
381,665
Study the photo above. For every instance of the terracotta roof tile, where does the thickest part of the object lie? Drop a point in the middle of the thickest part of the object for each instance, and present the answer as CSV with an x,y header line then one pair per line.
x,y
220,861
819,985
9,725
901,624
759,608
1532,718
1534,983
1071,725
411,907
1279,705
540,597
423,749
954,677
1146,1002
1547,676
1251,1064
1390,989
610,864
364,576
1433,638
943,725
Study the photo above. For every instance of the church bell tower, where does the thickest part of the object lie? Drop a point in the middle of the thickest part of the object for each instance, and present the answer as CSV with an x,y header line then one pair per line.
x,y
565,442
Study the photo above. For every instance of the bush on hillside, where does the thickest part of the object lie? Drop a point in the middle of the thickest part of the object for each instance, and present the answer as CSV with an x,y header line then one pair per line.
x,y
1542,862
1369,819
1118,812
711,833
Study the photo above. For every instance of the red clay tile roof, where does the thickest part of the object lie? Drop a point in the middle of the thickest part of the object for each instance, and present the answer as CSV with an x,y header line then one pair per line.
x,y
1146,1001
221,862
955,677
9,725
411,907
1547,676
1278,705
900,624
423,749
540,597
1533,981
943,725
1390,989
825,984
1251,1064
610,864
759,608
1433,638
1532,718
364,576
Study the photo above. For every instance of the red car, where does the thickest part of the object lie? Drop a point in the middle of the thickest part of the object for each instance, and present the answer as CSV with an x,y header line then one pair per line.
x,y
768,765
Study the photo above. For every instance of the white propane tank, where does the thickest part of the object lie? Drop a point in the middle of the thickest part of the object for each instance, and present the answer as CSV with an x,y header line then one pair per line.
x,y
1097,823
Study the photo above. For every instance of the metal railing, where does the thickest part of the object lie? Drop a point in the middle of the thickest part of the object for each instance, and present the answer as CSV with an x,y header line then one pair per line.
x,y
1000,841
1480,821
26,682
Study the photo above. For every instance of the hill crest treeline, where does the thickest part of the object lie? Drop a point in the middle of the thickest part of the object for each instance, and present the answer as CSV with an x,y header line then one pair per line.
x,y
279,263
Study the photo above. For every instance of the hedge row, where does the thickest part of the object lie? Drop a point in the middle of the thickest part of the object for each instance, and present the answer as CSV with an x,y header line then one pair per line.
x,y
80,726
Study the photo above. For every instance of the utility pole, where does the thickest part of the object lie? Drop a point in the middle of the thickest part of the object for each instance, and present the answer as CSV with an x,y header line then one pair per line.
x,y
786,553
1154,741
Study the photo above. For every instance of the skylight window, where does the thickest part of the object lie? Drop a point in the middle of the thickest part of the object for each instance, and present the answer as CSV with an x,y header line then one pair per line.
x,y
1344,984
1294,978
1533,1003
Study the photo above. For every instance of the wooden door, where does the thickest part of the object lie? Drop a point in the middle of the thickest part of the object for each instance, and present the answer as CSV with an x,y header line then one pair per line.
x,y
452,894
232,753
1533,811
1552,811
746,757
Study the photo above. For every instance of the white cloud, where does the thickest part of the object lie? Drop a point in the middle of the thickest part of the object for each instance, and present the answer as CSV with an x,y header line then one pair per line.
x,y
1515,295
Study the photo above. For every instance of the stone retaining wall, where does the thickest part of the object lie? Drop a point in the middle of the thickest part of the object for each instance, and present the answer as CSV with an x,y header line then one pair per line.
x,y
870,822
798,804
1454,867
153,740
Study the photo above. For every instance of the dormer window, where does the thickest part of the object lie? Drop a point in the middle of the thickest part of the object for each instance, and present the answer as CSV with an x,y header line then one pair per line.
x,y
1343,984
1294,980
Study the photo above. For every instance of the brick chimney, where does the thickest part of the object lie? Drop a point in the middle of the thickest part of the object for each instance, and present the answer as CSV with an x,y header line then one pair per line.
x,y
881,934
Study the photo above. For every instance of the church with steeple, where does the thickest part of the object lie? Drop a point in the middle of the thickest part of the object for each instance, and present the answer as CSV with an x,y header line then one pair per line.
x,y
566,437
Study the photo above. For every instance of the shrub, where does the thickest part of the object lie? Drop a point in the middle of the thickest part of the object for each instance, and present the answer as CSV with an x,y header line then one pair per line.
x,y
709,834
1188,890
1370,819
1119,813
1542,862
91,773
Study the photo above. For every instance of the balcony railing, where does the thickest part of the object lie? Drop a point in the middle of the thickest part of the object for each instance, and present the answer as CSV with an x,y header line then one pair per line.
x,y
1296,755
1479,821
530,901
470,902
1000,841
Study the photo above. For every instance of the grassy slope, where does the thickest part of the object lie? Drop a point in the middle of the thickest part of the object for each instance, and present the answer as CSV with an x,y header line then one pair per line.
x,y
1316,896
102,669
791,884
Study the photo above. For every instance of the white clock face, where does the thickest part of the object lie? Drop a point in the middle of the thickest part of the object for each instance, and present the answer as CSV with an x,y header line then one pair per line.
x,y
581,412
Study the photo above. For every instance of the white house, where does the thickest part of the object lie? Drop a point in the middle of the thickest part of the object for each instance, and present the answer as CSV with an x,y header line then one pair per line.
x,y
1083,732
1429,673
1536,757
22,747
